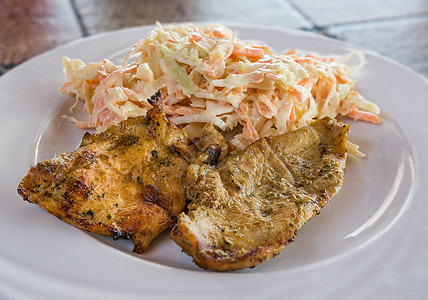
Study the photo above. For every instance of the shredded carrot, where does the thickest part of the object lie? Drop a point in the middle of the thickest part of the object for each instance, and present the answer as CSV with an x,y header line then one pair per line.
x,y
290,52
265,107
293,90
172,39
242,111
219,33
64,87
292,116
250,52
357,114
212,67
195,37
306,83
249,131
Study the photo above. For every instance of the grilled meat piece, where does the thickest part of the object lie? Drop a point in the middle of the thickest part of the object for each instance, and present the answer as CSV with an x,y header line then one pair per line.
x,y
251,206
127,181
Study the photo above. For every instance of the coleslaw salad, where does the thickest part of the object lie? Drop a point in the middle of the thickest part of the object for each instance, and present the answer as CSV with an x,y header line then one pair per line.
x,y
206,74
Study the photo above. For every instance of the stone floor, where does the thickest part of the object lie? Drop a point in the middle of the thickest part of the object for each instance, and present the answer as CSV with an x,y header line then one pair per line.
x,y
397,29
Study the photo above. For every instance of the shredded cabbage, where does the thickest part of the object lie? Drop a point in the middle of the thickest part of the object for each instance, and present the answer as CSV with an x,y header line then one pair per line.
x,y
206,74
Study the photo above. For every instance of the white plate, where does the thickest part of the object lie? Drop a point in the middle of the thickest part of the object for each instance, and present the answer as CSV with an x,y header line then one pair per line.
x,y
370,240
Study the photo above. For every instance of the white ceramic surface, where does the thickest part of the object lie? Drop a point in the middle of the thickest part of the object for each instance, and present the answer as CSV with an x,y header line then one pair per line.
x,y
369,241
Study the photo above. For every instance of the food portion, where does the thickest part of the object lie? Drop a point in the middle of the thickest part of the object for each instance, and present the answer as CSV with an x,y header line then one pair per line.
x,y
126,182
238,148
249,207
207,75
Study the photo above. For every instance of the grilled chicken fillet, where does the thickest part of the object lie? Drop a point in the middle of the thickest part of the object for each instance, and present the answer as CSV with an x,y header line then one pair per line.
x,y
127,181
249,207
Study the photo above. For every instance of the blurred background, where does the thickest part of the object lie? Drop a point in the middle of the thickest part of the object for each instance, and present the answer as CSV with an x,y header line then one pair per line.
x,y
397,29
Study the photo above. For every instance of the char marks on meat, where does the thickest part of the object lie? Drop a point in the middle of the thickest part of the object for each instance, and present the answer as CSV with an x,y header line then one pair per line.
x,y
127,181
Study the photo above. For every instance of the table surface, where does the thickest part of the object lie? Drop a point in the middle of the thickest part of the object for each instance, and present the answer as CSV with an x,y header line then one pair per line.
x,y
397,29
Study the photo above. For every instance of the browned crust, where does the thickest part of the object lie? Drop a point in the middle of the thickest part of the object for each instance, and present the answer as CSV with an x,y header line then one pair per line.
x,y
189,236
193,247
114,183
